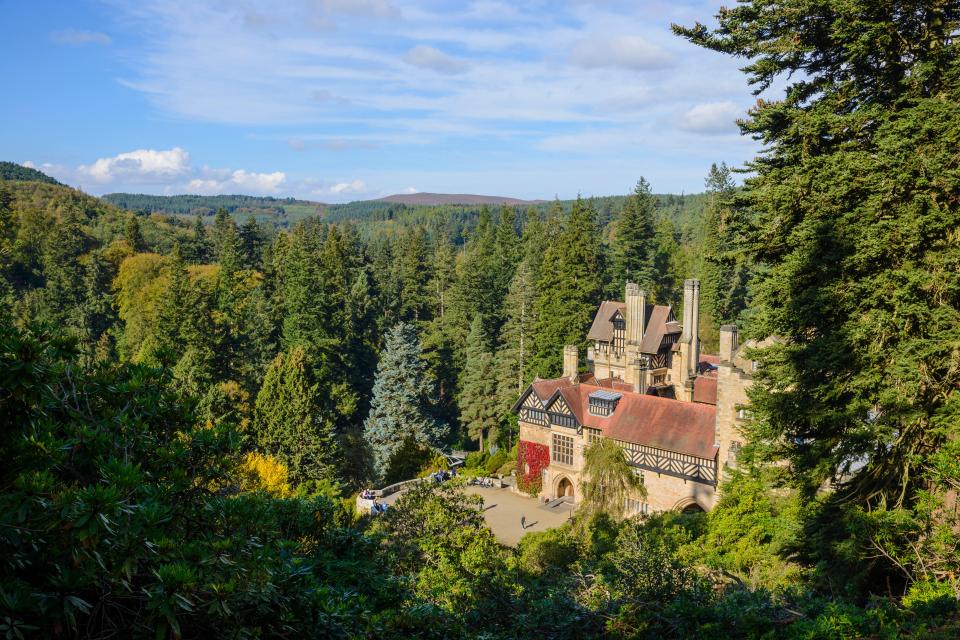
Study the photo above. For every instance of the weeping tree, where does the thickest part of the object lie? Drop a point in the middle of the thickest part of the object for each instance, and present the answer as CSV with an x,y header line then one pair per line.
x,y
610,480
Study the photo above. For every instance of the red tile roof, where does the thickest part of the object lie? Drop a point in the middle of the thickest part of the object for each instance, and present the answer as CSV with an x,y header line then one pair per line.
x,y
663,423
705,389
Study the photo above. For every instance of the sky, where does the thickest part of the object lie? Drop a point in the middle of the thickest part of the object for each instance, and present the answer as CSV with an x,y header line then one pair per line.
x,y
340,100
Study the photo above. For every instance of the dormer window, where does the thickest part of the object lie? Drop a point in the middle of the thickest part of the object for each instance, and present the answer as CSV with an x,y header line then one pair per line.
x,y
603,403
619,329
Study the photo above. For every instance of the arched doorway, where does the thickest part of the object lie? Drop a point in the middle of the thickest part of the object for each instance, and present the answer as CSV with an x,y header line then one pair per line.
x,y
688,505
565,488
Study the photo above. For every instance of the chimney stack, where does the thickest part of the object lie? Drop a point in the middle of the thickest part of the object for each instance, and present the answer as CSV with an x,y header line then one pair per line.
x,y
636,313
570,362
638,375
691,325
728,342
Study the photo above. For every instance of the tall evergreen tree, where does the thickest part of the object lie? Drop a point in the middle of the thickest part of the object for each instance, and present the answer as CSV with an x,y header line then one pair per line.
x,y
197,249
290,423
857,218
634,243
478,391
133,235
568,290
516,340
414,274
400,408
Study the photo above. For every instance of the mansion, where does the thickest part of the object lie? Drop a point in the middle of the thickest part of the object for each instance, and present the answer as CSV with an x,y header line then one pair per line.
x,y
674,410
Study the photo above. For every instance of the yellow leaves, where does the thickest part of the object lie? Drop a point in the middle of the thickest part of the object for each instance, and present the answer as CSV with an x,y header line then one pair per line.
x,y
264,473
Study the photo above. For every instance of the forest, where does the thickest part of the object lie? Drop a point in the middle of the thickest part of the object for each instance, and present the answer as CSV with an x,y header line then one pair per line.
x,y
189,406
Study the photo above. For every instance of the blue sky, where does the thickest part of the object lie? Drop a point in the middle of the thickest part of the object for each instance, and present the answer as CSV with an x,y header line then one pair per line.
x,y
338,100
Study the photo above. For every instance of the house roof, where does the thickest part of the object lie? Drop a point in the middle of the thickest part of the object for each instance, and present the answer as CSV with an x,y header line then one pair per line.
x,y
705,389
656,328
658,324
602,327
663,423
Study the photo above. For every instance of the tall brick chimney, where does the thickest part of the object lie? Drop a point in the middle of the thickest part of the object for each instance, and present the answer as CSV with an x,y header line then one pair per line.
x,y
570,362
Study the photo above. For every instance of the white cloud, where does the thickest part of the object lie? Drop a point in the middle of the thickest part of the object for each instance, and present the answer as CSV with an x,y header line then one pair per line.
x,y
410,190
78,36
712,117
343,188
427,57
143,165
260,182
624,52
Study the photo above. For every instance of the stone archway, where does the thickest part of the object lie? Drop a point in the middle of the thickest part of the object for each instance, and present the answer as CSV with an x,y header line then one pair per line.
x,y
688,505
564,488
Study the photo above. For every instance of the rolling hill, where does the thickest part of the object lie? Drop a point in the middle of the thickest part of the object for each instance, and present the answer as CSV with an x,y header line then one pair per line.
x,y
436,199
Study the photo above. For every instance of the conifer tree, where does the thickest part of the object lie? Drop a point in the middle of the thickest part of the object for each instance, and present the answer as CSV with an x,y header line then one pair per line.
x,y
725,272
197,249
856,227
401,404
478,390
413,273
290,423
252,243
634,243
568,290
224,235
133,235
513,357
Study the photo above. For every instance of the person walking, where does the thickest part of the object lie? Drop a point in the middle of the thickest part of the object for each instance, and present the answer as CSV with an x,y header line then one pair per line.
x,y
523,522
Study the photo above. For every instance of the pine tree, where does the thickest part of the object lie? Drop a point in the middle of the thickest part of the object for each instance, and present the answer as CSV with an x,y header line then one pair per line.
x,y
290,423
725,271
400,408
252,242
513,357
568,290
133,235
414,275
856,227
96,314
197,249
634,243
478,391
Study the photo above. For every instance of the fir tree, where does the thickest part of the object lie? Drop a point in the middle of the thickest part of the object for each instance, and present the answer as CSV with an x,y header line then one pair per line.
x,y
513,357
856,227
197,249
252,243
634,243
133,235
400,408
290,423
478,391
568,290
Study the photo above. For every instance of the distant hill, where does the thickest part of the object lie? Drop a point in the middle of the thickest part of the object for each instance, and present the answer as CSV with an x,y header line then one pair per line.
x,y
14,171
435,199
278,210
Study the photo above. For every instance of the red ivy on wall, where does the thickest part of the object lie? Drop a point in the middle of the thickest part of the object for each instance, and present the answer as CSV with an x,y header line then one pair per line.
x,y
532,459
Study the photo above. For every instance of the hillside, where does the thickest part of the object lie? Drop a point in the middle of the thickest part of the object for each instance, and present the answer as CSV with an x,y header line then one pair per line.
x,y
281,211
18,172
433,199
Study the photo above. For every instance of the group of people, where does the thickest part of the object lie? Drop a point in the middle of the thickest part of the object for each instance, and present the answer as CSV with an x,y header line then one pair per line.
x,y
443,475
